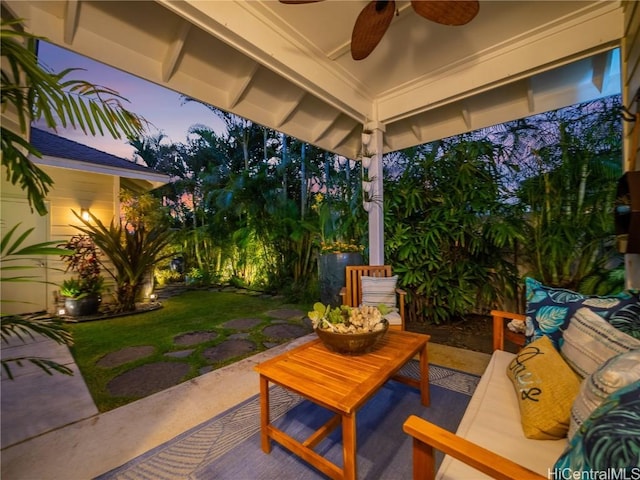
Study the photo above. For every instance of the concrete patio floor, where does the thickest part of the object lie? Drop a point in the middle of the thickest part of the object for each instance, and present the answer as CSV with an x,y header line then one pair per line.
x,y
61,435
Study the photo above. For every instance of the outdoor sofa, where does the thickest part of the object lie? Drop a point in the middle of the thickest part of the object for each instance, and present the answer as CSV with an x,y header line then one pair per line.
x,y
577,375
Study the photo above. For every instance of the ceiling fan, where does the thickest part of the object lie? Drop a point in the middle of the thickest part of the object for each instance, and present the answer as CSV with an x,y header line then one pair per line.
x,y
375,18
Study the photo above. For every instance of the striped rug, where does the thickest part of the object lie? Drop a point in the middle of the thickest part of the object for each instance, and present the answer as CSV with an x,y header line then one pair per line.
x,y
228,445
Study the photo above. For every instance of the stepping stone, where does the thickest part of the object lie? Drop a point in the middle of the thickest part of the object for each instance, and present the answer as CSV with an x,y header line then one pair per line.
x,y
236,336
180,353
228,349
194,338
147,379
126,355
285,331
242,323
286,313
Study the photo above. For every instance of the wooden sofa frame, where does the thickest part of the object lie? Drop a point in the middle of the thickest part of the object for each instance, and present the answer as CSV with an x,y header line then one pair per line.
x,y
428,437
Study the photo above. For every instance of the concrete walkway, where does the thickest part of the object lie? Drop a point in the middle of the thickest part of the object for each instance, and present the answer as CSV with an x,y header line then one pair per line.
x,y
34,402
60,435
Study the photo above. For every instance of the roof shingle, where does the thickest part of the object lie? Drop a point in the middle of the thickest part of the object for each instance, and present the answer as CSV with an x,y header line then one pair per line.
x,y
52,145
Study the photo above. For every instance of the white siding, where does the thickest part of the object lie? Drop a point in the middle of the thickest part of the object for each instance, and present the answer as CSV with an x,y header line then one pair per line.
x,y
72,190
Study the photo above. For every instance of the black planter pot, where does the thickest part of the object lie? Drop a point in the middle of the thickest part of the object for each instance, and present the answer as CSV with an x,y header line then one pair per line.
x,y
80,307
331,275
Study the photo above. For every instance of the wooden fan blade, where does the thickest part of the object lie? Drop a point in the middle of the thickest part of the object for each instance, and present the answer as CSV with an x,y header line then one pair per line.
x,y
299,2
370,26
447,12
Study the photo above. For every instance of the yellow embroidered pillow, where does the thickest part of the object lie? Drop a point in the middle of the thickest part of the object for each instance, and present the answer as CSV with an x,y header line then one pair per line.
x,y
546,387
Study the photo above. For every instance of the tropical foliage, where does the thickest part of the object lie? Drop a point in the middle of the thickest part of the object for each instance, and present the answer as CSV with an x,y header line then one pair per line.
x,y
132,250
242,204
447,229
569,195
462,215
84,260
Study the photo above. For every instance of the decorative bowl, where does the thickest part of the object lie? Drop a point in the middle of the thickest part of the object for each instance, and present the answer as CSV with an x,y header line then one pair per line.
x,y
351,343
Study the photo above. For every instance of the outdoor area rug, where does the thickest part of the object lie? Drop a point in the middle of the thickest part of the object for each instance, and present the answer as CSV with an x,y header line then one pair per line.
x,y
228,445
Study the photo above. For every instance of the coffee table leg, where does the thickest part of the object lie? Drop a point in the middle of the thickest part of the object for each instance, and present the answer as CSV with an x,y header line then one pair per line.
x,y
349,446
264,414
424,377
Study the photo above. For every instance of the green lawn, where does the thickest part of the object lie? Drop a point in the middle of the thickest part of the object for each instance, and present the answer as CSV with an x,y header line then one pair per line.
x,y
190,312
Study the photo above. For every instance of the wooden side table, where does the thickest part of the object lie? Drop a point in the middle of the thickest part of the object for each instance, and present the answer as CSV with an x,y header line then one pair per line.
x,y
342,384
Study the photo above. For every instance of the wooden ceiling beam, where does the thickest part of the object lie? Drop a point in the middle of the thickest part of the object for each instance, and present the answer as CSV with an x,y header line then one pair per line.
x,y
288,108
417,131
341,136
531,104
324,126
242,84
70,23
174,51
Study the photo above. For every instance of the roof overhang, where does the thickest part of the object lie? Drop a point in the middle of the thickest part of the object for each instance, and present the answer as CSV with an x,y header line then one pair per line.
x,y
288,67
135,179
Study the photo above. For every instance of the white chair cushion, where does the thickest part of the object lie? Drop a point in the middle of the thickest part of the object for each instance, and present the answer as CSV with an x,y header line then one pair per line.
x,y
379,290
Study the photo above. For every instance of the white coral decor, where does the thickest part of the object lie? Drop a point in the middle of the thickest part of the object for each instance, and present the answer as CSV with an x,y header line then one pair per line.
x,y
344,319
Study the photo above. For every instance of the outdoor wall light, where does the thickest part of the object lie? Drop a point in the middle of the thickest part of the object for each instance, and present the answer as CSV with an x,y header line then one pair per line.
x,y
153,297
84,214
62,311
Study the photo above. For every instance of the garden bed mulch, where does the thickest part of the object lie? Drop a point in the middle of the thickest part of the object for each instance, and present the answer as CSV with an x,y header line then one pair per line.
x,y
474,333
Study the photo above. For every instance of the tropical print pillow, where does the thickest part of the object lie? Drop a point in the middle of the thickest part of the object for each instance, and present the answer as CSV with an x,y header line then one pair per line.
x,y
550,309
608,440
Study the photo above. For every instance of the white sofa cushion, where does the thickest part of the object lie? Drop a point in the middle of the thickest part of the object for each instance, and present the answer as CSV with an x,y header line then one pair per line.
x,y
492,420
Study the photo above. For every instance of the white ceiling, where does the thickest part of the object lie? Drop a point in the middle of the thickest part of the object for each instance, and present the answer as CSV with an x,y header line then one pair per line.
x,y
289,67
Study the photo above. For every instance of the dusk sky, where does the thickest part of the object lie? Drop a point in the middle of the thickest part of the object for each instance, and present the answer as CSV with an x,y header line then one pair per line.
x,y
160,106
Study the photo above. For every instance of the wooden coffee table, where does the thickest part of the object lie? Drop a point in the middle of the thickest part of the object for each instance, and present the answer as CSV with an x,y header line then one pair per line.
x,y
342,384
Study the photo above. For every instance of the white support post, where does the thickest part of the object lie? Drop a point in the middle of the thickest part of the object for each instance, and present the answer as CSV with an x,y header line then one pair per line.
x,y
376,212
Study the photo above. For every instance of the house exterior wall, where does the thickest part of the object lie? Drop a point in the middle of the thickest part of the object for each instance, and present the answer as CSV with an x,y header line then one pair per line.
x,y
20,297
72,190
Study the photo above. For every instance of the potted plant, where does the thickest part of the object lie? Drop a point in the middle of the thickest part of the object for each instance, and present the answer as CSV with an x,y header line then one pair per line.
x,y
82,293
366,157
335,251
366,137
